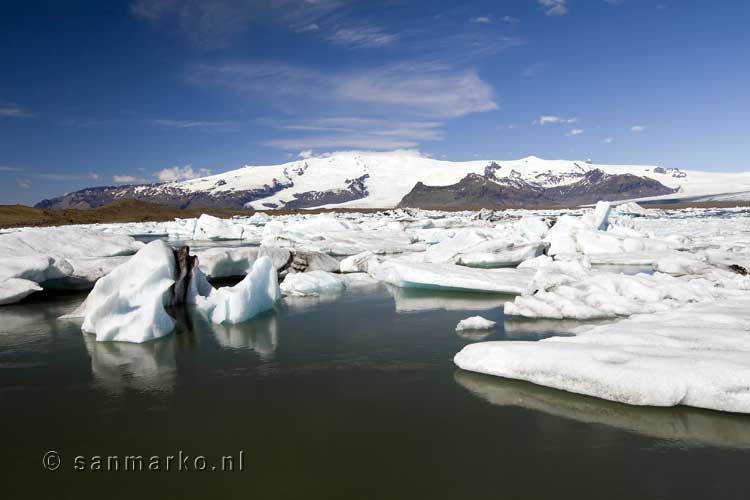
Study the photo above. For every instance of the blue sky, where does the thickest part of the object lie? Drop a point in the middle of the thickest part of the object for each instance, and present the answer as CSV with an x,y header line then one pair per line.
x,y
100,93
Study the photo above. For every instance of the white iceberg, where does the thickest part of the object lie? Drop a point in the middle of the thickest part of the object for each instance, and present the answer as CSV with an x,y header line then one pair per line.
x,y
315,283
128,304
475,323
449,276
696,356
258,292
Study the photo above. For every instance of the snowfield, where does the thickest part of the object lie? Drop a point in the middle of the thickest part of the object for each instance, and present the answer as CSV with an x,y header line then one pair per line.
x,y
669,289
381,180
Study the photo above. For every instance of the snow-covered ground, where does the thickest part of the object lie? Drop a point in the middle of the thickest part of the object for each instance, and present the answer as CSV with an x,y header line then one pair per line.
x,y
391,175
675,324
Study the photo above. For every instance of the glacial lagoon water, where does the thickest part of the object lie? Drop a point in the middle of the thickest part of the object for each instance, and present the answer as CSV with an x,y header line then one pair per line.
x,y
354,396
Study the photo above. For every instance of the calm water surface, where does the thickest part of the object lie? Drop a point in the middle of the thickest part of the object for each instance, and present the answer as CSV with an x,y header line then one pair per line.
x,y
348,397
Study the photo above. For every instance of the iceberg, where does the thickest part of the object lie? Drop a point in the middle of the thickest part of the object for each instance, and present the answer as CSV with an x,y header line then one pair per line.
x,y
128,304
571,290
37,258
475,323
449,276
258,292
696,356
315,283
312,284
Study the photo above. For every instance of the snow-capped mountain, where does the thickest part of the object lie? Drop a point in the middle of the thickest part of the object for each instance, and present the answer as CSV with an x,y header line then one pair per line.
x,y
382,180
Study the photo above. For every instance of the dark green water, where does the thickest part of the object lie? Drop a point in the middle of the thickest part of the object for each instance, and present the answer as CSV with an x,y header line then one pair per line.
x,y
350,398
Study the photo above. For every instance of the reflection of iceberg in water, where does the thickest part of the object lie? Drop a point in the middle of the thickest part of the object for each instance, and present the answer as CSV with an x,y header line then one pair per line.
x,y
674,423
416,300
474,335
259,334
536,329
117,366
302,304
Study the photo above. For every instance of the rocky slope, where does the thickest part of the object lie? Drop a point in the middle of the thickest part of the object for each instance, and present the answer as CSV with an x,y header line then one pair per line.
x,y
487,191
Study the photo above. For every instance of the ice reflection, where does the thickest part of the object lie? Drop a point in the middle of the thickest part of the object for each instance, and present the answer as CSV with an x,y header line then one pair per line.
x,y
118,366
410,300
536,329
260,334
303,304
474,335
682,424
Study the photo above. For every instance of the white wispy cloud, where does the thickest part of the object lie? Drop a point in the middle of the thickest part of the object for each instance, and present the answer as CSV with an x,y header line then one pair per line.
x,y
547,119
417,88
574,132
342,141
362,37
554,7
307,28
127,179
23,183
307,153
217,23
637,128
67,177
177,173
482,20
352,132
14,111
432,89
183,124
608,140
9,169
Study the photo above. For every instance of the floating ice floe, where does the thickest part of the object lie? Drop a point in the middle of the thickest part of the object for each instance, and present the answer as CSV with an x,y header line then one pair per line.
x,y
258,292
571,290
698,355
407,274
475,323
316,283
70,257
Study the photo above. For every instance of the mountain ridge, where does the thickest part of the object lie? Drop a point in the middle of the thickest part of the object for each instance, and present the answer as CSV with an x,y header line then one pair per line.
x,y
356,179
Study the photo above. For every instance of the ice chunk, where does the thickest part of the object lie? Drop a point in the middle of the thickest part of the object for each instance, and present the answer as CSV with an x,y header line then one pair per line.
x,y
312,283
599,219
356,263
497,253
222,262
631,208
14,289
536,262
449,276
695,356
66,242
128,304
475,323
315,283
571,290
258,292
209,227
